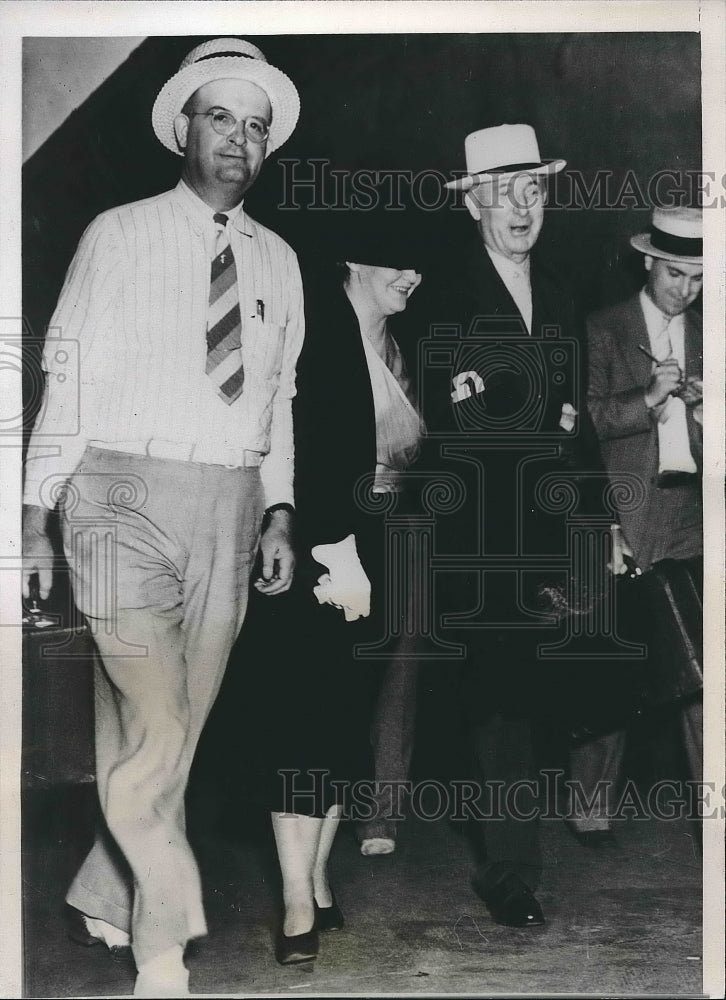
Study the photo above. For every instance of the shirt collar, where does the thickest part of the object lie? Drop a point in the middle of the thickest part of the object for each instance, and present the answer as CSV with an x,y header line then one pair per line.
x,y
655,319
199,212
507,267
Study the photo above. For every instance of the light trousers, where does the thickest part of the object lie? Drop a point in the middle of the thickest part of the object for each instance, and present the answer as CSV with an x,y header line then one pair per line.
x,y
160,554
597,764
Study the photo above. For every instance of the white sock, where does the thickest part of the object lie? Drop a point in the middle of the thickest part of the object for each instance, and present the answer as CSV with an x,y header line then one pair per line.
x,y
167,968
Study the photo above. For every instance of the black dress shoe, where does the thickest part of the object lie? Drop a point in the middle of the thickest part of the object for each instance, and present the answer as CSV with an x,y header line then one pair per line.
x,y
511,902
77,929
594,839
328,918
297,948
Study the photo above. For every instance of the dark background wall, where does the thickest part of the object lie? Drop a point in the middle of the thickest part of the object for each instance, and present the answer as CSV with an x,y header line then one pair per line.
x,y
614,102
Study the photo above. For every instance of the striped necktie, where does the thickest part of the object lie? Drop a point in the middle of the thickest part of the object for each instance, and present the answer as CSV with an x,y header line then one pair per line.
x,y
224,348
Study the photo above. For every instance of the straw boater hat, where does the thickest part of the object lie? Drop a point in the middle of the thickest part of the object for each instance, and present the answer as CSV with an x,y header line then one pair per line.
x,y
502,151
227,58
675,234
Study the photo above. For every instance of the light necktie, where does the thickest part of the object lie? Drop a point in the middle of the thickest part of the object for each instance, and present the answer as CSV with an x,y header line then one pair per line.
x,y
662,347
674,448
224,347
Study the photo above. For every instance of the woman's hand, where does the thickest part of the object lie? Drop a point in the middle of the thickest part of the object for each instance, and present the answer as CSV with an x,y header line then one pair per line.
x,y
345,585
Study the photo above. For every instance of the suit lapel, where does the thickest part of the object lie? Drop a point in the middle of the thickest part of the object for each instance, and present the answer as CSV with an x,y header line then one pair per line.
x,y
635,332
693,343
491,294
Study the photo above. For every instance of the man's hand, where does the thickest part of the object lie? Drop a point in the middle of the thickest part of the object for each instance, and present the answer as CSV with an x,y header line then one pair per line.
x,y
37,550
666,380
692,391
618,566
278,556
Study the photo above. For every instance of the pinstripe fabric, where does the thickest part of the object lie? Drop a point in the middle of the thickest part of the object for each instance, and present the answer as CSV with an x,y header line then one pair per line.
x,y
134,310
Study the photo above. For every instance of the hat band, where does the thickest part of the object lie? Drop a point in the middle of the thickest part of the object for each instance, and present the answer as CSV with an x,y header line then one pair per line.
x,y
216,55
680,246
508,168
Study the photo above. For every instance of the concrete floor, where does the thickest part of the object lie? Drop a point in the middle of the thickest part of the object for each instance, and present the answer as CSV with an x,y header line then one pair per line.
x,y
619,924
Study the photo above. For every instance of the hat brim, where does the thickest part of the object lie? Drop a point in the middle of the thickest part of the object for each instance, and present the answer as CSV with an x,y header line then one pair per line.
x,y
469,181
281,92
643,243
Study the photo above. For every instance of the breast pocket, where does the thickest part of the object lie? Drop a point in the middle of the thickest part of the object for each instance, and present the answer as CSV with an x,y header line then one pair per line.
x,y
262,349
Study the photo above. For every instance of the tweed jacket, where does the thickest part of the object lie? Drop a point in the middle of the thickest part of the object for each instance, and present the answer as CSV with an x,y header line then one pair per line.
x,y
618,374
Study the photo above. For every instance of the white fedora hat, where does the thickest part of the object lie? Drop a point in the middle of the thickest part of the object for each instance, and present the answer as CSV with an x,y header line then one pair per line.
x,y
227,58
502,150
675,234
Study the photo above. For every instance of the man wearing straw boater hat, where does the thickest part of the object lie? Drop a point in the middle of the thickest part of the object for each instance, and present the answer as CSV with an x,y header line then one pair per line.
x,y
189,316
644,394
507,388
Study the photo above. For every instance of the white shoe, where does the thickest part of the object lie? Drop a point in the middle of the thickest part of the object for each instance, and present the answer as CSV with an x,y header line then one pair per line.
x,y
377,845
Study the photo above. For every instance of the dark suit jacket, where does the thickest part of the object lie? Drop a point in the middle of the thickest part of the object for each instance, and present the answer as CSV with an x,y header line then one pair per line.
x,y
669,521
529,395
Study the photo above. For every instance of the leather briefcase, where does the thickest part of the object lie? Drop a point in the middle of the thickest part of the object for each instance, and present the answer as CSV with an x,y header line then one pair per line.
x,y
661,610
58,714
666,613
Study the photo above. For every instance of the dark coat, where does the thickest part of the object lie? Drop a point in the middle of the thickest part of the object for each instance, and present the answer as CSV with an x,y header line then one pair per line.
x,y
502,437
335,429
334,418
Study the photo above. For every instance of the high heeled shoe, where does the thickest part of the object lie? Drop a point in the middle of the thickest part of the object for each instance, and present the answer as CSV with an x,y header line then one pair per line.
x,y
297,947
328,918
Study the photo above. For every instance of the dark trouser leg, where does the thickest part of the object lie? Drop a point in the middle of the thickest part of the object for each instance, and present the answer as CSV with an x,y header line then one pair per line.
x,y
392,734
509,841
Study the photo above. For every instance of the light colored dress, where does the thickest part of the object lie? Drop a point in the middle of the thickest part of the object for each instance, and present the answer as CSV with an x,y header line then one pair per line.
x,y
399,427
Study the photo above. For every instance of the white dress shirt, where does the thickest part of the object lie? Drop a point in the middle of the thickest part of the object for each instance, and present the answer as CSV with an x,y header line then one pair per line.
x,y
518,282
126,347
666,335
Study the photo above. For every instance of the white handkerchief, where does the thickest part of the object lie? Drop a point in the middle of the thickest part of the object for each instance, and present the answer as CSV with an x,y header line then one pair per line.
x,y
567,419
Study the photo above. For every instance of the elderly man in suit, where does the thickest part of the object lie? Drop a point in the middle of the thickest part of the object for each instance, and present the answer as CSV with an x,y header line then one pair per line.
x,y
514,410
644,394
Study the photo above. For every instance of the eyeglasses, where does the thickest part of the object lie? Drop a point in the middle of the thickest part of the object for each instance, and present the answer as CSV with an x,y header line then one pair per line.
x,y
224,123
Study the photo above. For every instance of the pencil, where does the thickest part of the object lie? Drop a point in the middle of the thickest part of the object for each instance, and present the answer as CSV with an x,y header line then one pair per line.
x,y
648,354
